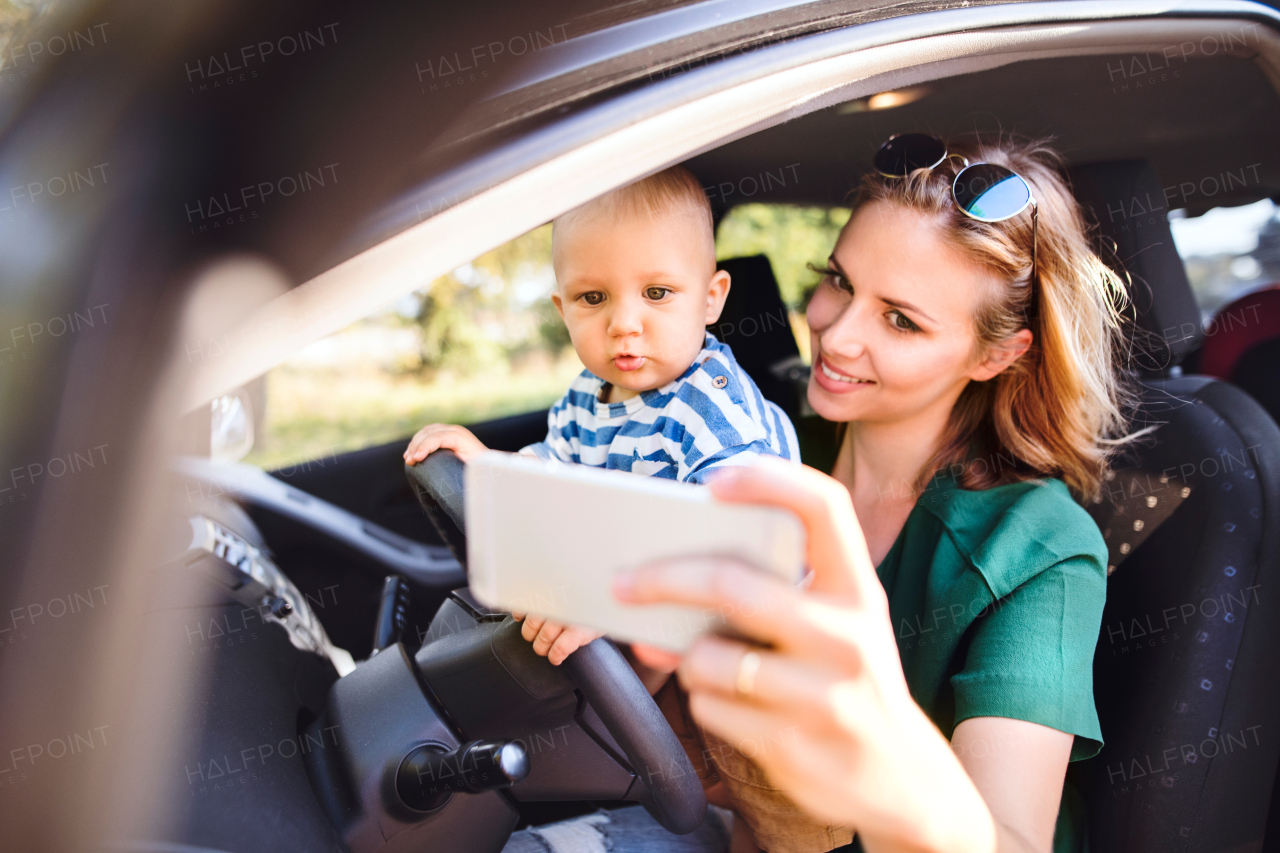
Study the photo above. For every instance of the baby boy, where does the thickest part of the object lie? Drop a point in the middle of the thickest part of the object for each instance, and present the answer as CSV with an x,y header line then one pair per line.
x,y
636,284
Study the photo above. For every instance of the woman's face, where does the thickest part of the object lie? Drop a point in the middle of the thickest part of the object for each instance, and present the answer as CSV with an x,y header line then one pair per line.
x,y
892,322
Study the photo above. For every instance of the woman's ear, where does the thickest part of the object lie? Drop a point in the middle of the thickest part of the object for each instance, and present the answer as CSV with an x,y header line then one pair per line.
x,y
1001,355
717,293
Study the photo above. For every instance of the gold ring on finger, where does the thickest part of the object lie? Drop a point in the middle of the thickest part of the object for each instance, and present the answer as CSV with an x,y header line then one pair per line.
x,y
748,666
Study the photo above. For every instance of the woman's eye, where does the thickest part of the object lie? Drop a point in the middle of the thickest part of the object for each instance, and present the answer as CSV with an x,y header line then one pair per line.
x,y
900,321
838,281
594,297
657,294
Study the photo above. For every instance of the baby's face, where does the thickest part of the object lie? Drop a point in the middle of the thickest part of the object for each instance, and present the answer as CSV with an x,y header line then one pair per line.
x,y
635,294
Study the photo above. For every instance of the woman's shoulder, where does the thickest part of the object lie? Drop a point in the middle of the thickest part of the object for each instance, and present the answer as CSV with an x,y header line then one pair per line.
x,y
1013,532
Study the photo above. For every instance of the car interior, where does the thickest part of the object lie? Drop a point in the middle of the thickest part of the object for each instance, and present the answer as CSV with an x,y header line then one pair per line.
x,y
1212,465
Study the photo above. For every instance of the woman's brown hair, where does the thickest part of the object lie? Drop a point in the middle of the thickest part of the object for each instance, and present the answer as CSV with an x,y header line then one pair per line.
x,y
1059,410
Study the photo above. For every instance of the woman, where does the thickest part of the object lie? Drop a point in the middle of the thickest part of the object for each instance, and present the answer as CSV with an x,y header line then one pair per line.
x,y
935,678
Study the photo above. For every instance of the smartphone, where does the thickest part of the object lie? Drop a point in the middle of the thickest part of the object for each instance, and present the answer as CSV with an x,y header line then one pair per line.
x,y
547,538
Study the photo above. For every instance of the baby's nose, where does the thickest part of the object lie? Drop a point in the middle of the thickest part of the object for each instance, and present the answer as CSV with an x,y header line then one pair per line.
x,y
625,320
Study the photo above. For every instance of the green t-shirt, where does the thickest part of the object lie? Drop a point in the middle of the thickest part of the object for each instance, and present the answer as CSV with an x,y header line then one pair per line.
x,y
996,598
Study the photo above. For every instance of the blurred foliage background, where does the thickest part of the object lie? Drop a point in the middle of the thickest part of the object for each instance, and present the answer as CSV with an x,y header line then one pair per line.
x,y
496,309
791,237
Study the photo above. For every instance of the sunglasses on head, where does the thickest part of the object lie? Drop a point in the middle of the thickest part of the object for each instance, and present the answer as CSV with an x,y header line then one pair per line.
x,y
983,191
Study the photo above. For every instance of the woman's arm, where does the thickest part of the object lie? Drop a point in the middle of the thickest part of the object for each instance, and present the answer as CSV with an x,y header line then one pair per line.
x,y
1019,768
829,716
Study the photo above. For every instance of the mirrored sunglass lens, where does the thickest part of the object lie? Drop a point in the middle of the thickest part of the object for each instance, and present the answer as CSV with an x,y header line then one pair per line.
x,y
904,154
990,192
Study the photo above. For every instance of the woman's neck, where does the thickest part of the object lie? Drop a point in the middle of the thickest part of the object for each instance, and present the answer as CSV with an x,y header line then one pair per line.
x,y
880,464
883,461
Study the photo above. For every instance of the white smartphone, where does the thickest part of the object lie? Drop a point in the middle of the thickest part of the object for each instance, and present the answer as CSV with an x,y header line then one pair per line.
x,y
548,538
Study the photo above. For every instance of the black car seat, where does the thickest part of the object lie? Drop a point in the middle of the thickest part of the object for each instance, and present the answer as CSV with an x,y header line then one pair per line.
x,y
1258,374
1184,674
756,326
1127,202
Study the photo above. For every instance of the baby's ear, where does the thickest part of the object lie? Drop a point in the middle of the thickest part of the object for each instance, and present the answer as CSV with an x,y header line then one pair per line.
x,y
717,293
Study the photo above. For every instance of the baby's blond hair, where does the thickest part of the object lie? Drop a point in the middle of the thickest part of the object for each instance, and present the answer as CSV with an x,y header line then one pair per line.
x,y
671,189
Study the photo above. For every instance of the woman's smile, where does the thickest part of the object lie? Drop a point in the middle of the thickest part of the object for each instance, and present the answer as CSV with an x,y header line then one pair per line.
x,y
835,381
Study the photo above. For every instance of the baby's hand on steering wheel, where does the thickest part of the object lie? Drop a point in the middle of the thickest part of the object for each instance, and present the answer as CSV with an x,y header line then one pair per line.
x,y
435,437
554,641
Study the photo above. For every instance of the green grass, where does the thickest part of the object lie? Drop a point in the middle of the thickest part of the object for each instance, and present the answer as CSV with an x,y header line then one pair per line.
x,y
312,414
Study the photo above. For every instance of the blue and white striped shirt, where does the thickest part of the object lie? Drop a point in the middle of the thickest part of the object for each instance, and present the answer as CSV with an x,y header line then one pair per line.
x,y
712,416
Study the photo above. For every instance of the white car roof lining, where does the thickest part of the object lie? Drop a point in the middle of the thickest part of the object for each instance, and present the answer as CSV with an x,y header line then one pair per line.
x,y
413,258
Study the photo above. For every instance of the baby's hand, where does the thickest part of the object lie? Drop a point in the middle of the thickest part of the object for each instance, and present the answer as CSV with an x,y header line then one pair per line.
x,y
552,640
434,437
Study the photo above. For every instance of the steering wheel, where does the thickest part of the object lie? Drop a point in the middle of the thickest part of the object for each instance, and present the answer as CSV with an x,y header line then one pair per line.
x,y
600,672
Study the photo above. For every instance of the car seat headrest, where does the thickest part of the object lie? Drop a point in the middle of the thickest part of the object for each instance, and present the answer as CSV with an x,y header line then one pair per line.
x,y
1131,208
756,326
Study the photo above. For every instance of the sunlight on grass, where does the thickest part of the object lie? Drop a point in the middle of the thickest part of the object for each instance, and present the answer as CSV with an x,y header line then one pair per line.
x,y
315,413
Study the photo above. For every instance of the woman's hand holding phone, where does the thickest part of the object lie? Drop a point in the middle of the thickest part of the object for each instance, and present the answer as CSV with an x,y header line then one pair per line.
x,y
822,696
